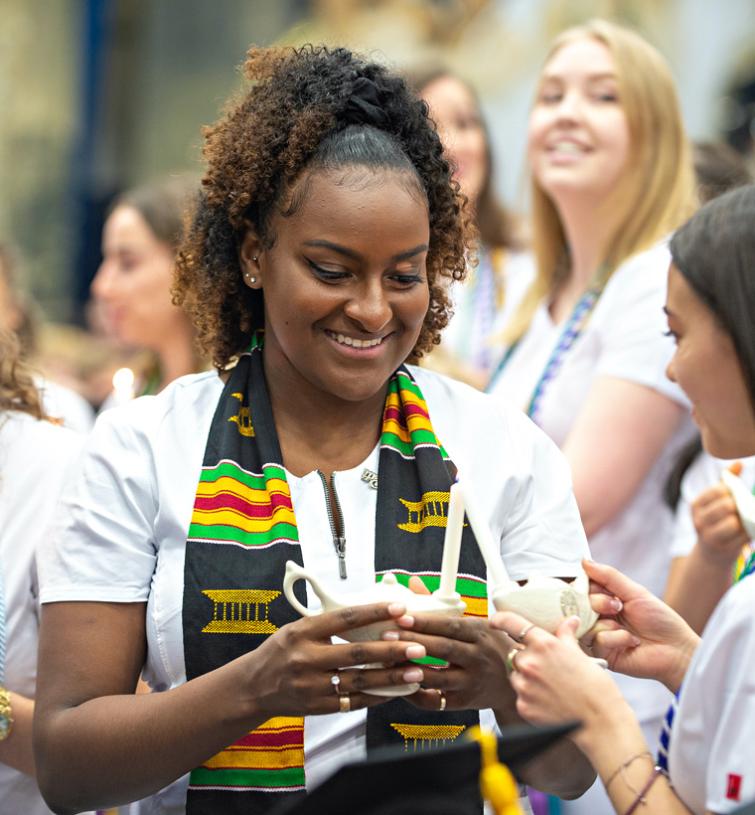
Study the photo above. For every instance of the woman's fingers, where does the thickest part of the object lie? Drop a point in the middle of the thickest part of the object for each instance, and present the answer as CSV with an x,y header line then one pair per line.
x,y
417,586
453,651
514,625
464,629
615,583
333,657
335,623
608,641
606,605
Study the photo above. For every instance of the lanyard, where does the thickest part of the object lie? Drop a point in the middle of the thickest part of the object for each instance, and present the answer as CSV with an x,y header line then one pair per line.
x,y
575,325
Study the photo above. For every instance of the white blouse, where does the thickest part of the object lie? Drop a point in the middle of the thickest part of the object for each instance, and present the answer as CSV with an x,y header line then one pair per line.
x,y
122,531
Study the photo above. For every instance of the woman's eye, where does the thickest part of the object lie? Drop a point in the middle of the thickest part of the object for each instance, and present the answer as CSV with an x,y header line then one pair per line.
x,y
607,97
328,275
672,334
406,280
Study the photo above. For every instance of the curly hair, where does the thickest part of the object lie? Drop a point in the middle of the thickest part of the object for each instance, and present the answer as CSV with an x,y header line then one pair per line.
x,y
308,107
17,388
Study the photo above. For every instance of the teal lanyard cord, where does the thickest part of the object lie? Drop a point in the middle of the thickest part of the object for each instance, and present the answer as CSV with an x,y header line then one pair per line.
x,y
574,327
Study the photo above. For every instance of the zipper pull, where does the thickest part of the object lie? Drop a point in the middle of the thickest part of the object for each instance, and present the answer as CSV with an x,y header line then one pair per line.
x,y
340,544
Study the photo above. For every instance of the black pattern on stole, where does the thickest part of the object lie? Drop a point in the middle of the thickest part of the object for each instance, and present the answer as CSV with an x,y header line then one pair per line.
x,y
213,566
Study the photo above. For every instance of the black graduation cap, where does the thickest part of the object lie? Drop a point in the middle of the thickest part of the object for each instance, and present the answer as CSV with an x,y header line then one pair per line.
x,y
438,781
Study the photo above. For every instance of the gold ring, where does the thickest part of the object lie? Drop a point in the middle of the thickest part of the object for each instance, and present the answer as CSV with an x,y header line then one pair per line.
x,y
344,702
523,633
442,705
335,681
510,666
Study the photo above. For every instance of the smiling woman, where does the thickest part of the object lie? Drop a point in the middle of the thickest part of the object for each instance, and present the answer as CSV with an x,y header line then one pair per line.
x,y
315,270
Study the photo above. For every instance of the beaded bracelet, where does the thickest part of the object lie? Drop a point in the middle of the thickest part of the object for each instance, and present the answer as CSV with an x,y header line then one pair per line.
x,y
640,799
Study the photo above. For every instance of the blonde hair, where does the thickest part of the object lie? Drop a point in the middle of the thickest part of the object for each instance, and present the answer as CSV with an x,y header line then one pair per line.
x,y
17,388
657,190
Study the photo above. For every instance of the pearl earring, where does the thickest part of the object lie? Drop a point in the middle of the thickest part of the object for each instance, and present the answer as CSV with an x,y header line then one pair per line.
x,y
251,278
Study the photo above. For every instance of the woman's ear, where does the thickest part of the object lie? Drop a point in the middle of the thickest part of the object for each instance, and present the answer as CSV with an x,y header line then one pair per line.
x,y
249,259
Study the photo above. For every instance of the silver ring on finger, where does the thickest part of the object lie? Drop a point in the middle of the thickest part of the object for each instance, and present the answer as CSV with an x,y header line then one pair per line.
x,y
523,633
442,701
344,702
335,681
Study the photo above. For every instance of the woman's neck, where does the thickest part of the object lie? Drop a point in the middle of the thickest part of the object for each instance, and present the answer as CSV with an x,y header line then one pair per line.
x,y
176,354
587,231
319,431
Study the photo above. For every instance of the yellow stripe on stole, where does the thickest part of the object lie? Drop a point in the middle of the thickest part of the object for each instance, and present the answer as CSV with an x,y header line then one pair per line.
x,y
257,758
476,606
224,484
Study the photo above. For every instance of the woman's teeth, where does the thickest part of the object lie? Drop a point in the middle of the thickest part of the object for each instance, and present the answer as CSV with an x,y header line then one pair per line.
x,y
342,339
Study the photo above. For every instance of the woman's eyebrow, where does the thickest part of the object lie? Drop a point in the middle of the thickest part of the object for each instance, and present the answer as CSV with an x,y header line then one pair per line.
x,y
350,253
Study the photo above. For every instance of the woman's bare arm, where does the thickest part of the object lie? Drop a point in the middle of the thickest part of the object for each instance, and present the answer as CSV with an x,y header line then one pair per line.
x,y
99,744
621,430
16,750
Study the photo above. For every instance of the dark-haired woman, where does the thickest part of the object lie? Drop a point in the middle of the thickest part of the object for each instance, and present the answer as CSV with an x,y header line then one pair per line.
x,y
706,748
327,218
35,454
132,285
503,270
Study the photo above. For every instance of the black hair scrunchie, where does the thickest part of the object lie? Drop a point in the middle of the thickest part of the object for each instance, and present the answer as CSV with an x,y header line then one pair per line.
x,y
363,106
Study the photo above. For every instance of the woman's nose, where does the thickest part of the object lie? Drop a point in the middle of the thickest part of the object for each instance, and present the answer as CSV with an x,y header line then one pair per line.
x,y
369,308
101,286
569,107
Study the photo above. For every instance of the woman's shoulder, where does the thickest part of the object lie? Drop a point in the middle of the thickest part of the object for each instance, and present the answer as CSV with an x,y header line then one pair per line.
x,y
642,271
482,420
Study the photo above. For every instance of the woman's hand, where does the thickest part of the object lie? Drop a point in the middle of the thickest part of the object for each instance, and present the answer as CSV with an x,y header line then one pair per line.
x,y
476,655
720,534
645,637
292,671
554,680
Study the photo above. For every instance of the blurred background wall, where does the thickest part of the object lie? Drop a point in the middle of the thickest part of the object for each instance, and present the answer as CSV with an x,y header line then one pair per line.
x,y
97,95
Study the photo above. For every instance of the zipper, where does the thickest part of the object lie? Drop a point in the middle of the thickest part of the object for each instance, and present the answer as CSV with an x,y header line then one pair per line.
x,y
336,522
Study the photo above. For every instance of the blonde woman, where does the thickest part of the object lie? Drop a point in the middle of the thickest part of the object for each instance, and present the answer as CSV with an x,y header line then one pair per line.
x,y
611,178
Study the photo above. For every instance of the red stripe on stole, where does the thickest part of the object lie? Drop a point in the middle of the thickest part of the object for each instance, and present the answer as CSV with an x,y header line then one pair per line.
x,y
226,500
289,737
393,412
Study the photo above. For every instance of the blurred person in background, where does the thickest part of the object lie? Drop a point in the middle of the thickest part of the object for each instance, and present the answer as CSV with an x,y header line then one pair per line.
x,y
132,287
34,457
503,269
612,176
20,315
710,546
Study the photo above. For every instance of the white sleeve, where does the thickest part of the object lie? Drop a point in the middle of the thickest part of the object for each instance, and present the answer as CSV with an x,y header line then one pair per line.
x,y
542,530
722,680
102,547
634,345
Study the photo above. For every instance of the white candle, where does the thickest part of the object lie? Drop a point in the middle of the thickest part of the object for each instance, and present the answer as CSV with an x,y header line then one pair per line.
x,y
491,551
452,542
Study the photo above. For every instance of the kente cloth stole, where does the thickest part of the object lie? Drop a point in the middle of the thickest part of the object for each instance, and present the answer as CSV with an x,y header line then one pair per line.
x,y
243,531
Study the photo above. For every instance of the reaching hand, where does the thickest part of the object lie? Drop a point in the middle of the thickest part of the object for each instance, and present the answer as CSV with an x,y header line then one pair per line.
x,y
720,533
645,638
554,680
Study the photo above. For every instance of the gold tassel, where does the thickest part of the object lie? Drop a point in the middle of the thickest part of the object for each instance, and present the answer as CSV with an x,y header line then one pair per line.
x,y
497,784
